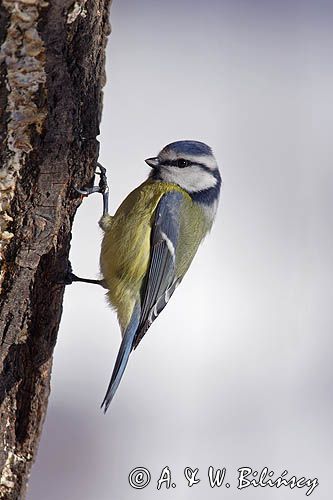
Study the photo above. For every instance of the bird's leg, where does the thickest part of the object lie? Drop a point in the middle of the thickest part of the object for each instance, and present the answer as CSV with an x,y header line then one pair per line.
x,y
70,277
102,188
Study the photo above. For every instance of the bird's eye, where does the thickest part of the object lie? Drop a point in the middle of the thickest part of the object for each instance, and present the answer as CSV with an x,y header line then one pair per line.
x,y
181,163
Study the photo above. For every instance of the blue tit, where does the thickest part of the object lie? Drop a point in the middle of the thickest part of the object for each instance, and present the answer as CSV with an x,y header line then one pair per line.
x,y
150,242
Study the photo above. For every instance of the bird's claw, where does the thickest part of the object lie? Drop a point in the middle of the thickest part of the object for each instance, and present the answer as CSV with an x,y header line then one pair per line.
x,y
103,182
102,187
87,191
67,277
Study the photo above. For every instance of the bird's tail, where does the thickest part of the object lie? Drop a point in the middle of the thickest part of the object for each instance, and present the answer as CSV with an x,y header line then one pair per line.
x,y
122,358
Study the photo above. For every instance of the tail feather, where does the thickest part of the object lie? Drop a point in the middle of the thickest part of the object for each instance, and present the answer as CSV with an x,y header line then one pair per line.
x,y
122,357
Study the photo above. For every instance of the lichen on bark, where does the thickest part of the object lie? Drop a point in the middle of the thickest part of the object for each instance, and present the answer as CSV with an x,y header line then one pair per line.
x,y
23,55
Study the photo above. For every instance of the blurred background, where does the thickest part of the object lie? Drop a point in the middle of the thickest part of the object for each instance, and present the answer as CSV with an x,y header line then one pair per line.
x,y
237,371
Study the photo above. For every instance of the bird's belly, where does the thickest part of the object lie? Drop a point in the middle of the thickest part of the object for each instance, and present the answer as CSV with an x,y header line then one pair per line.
x,y
124,262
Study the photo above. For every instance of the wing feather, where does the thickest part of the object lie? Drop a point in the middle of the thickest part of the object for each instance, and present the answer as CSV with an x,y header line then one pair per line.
x,y
161,279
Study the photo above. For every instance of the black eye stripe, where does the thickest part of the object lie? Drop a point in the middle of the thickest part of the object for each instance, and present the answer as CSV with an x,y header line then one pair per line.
x,y
180,163
174,163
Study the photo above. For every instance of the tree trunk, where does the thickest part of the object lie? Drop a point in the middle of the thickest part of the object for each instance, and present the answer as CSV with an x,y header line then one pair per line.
x,y
51,75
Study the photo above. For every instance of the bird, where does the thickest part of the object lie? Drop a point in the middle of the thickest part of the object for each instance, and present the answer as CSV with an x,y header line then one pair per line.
x,y
151,240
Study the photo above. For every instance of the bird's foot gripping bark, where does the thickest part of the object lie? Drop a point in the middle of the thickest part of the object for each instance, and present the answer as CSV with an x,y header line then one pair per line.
x,y
102,188
70,277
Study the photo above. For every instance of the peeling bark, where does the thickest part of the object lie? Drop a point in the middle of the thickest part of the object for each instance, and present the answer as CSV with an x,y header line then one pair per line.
x,y
51,75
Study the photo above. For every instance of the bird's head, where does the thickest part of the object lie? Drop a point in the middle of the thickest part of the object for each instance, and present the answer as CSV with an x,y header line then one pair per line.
x,y
192,166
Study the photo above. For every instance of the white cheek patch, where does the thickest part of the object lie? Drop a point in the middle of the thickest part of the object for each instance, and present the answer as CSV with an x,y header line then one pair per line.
x,y
192,179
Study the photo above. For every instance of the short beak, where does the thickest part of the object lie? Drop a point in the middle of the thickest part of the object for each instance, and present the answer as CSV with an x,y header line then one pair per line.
x,y
152,162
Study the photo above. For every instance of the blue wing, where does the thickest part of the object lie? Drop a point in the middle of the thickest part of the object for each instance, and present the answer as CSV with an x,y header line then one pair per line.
x,y
161,281
159,285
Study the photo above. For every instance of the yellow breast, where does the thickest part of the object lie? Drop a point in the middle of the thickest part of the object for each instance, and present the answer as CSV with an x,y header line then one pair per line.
x,y
126,246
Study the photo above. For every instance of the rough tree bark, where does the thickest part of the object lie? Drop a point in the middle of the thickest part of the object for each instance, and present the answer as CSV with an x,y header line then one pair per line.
x,y
51,75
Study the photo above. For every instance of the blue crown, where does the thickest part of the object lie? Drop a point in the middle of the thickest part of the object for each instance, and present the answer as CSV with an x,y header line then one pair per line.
x,y
189,147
